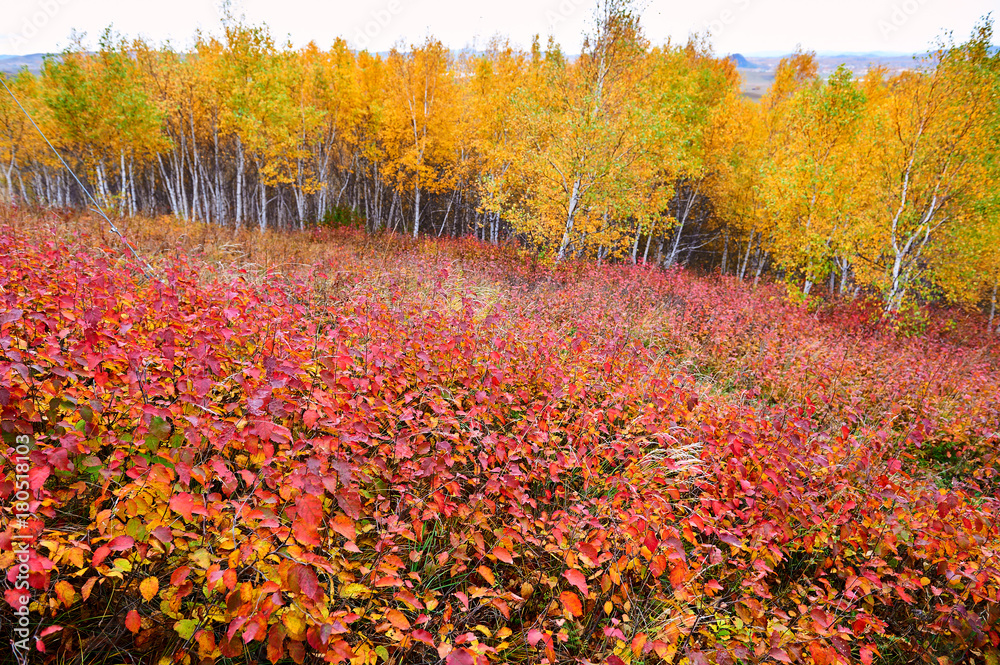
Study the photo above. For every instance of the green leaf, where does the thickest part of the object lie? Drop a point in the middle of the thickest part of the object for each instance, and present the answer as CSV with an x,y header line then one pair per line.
x,y
185,628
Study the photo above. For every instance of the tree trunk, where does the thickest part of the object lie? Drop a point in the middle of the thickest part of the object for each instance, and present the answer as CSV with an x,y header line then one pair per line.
x,y
416,209
993,307
574,200
761,260
240,174
746,258
263,202
725,251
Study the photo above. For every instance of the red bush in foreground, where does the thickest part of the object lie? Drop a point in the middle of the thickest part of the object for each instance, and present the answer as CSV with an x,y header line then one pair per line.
x,y
445,454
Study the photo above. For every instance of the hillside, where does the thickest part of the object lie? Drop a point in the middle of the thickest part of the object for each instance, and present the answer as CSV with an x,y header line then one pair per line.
x,y
12,64
332,446
758,72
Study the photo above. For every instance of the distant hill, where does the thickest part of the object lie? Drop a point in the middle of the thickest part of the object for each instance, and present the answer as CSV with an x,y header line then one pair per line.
x,y
856,62
12,64
741,62
757,79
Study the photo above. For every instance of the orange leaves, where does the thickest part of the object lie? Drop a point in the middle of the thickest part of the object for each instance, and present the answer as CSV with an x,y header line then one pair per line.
x,y
397,619
487,575
344,525
638,642
678,574
571,603
65,593
295,624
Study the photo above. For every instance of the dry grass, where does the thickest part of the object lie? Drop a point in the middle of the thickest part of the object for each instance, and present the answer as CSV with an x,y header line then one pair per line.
x,y
163,239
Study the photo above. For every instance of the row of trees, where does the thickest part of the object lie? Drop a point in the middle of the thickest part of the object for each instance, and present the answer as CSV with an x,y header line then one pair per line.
x,y
630,151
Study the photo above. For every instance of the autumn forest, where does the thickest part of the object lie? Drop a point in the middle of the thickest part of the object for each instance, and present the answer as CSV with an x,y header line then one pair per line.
x,y
629,152
498,356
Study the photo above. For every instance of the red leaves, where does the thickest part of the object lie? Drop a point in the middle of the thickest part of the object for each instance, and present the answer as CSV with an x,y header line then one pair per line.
x,y
37,475
461,657
350,502
730,539
867,654
276,643
502,555
780,655
10,316
179,575
17,598
577,579
100,554
308,519
308,583
132,621
518,444
182,504
822,618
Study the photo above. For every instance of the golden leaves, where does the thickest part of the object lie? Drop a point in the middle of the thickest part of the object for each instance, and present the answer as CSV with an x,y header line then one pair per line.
x,y
149,587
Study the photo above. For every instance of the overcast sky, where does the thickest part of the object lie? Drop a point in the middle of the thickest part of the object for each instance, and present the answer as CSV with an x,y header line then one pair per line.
x,y
737,26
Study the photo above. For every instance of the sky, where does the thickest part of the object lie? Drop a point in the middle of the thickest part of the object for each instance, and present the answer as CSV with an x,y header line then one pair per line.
x,y
736,26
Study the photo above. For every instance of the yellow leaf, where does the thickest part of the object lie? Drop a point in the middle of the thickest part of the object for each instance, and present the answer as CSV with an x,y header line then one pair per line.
x,y
354,590
149,588
295,624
